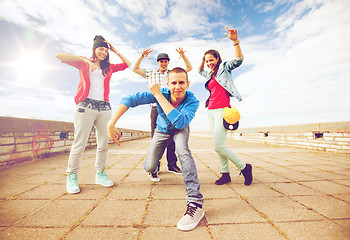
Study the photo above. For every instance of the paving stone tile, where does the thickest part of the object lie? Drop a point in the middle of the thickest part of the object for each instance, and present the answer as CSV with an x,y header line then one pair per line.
x,y
220,211
343,182
130,191
282,209
327,175
212,191
293,189
11,211
116,213
345,197
162,192
305,230
59,213
299,177
44,192
326,205
270,178
13,189
345,223
137,177
172,233
88,192
32,233
242,231
169,179
328,187
83,233
256,190
166,213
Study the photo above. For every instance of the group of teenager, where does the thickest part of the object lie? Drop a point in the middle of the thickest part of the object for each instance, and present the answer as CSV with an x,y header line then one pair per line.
x,y
172,109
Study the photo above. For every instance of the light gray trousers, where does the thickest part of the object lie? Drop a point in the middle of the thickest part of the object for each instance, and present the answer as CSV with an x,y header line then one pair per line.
x,y
84,119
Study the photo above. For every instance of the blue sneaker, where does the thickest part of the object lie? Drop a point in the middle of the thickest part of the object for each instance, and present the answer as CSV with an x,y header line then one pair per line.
x,y
72,183
102,179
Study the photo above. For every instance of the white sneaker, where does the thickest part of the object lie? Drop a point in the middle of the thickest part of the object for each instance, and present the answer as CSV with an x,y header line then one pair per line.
x,y
192,217
154,176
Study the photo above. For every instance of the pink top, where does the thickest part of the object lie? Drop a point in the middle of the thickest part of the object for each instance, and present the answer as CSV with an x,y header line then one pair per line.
x,y
84,82
219,97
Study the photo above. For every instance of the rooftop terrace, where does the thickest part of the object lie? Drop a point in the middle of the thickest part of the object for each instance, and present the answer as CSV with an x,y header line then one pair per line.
x,y
296,194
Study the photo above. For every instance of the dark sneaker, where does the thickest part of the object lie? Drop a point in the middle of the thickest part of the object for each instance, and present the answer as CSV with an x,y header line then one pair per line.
x,y
225,178
192,217
154,176
175,169
247,174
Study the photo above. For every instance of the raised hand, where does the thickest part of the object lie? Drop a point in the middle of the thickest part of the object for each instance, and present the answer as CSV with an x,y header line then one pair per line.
x,y
111,47
232,34
181,52
146,52
154,88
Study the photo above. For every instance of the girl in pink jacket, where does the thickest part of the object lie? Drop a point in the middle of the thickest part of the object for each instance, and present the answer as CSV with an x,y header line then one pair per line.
x,y
93,108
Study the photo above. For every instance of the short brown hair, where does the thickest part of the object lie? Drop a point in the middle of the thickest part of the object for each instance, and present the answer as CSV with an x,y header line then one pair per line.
x,y
178,70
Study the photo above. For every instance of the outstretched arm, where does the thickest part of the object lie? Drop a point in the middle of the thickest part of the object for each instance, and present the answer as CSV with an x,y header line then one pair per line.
x,y
113,132
66,58
122,57
233,35
136,68
188,65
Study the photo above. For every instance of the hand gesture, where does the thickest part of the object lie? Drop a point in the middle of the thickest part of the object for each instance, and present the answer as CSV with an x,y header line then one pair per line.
x,y
154,88
92,66
114,134
146,52
232,34
111,47
181,52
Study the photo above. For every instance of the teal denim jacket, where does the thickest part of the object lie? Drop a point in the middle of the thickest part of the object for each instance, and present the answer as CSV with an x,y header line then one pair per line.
x,y
223,77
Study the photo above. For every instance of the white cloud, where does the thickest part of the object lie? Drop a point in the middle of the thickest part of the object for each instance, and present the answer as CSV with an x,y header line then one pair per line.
x,y
179,16
305,77
296,73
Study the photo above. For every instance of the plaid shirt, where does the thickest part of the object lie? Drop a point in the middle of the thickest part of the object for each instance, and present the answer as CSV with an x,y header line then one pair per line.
x,y
155,76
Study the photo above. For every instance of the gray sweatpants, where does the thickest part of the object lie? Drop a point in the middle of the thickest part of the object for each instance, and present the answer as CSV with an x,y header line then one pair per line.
x,y
84,119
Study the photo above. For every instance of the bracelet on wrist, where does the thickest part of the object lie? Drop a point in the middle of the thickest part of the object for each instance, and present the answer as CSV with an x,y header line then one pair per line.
x,y
236,43
142,55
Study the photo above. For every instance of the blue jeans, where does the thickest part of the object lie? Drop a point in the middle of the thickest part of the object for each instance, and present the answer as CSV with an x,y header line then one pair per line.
x,y
155,152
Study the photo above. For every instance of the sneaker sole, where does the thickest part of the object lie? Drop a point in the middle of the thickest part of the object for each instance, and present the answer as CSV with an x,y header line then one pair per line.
x,y
155,180
190,227
175,172
73,192
104,185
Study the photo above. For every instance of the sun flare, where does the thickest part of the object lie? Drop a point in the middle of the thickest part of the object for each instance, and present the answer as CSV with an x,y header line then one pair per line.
x,y
30,66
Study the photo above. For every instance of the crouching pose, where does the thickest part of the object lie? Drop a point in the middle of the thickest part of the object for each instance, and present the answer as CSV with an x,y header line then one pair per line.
x,y
176,108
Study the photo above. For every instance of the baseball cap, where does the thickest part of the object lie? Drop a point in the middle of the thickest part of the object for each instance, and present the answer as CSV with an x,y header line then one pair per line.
x,y
162,56
231,118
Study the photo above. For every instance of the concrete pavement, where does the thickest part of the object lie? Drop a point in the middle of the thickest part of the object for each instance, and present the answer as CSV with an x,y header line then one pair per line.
x,y
296,194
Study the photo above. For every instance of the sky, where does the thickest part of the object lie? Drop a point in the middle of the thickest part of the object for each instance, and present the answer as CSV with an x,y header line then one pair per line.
x,y
296,66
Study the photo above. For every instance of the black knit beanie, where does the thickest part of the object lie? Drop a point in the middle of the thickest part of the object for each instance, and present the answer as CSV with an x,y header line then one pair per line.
x,y
99,41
